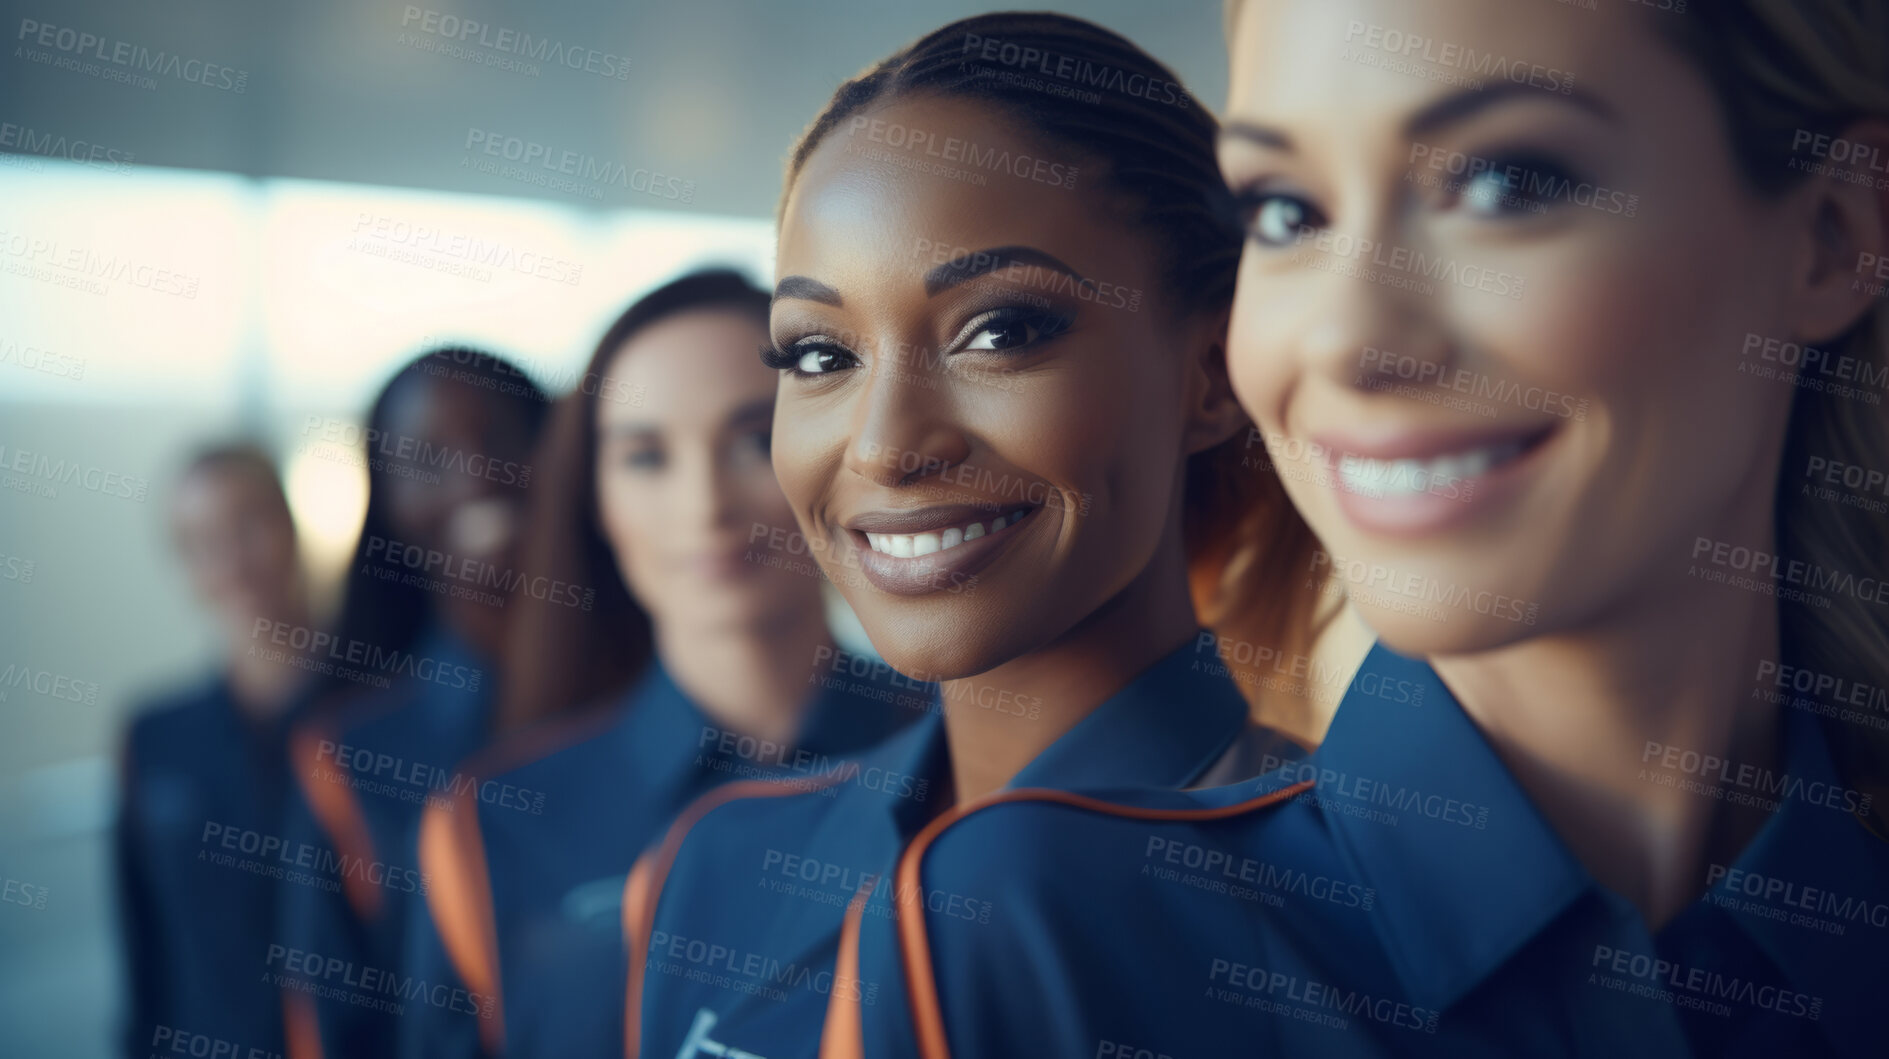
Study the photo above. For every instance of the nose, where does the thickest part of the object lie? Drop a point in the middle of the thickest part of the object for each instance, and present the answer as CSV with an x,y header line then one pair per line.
x,y
702,498
1372,311
904,429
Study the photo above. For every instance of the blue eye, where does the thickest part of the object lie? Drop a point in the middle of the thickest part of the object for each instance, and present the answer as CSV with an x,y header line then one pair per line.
x,y
1274,218
1515,187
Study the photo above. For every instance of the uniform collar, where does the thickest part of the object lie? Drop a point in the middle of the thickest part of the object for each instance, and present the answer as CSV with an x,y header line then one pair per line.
x,y
662,732
1813,857
843,718
1468,872
1163,729
853,714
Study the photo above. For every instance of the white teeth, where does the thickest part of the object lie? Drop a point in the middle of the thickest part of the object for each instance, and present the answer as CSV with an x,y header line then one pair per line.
x,y
912,545
1398,478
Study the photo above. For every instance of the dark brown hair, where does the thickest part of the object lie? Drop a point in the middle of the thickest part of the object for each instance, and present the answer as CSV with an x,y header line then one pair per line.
x,y
568,658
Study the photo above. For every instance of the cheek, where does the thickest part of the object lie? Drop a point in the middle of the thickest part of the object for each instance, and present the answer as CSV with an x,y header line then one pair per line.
x,y
808,441
1641,326
1258,362
626,510
1097,426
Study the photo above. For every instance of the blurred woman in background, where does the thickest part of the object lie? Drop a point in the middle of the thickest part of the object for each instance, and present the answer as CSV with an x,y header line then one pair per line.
x,y
699,654
205,771
407,689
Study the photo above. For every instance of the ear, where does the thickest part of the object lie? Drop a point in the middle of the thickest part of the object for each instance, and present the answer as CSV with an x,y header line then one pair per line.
x,y
1847,224
1213,412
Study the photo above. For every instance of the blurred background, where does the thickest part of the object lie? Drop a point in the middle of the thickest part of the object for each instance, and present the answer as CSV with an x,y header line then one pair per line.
x,y
224,218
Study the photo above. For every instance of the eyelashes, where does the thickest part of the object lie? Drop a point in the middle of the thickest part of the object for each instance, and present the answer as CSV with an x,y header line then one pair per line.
x,y
1505,186
1516,184
1274,218
777,358
1010,330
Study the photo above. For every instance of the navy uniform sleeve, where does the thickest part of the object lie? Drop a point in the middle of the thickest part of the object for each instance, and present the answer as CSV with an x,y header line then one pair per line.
x,y
429,1031
137,910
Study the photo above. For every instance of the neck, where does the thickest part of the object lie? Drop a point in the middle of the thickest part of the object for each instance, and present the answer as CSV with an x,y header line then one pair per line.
x,y
751,679
1583,720
261,684
1059,684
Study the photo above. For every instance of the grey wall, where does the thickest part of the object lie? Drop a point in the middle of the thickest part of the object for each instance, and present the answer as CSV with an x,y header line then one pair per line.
x,y
716,89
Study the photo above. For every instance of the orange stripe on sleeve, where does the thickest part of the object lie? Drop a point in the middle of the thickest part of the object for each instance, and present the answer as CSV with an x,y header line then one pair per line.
x,y
341,819
300,1025
644,888
459,898
843,1036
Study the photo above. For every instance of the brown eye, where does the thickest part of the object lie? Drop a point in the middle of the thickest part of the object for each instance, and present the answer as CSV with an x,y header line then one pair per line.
x,y
1006,335
820,360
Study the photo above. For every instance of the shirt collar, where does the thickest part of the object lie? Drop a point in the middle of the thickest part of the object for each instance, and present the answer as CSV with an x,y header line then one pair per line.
x,y
663,735
1813,859
852,713
1466,870
844,718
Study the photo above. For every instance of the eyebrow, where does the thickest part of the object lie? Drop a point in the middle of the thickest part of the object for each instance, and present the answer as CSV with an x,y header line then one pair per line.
x,y
1259,134
1446,111
1452,109
978,262
809,289
760,408
958,270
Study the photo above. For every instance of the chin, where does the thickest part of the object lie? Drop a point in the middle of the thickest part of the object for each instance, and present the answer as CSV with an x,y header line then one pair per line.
x,y
1458,633
923,653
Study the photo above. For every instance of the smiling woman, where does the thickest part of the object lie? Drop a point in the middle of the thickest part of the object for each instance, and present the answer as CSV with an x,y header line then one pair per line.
x,y
1004,420
1612,543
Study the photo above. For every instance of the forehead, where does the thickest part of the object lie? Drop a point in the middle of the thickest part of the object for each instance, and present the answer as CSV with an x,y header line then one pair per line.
x,y
217,488
694,367
1296,63
901,187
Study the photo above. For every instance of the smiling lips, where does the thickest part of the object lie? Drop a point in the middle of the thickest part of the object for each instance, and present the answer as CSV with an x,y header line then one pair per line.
x,y
1408,477
1405,483
914,553
912,545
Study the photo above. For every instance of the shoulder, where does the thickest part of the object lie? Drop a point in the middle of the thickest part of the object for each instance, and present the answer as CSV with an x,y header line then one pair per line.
x,y
1129,920
726,822
1044,846
566,752
174,721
